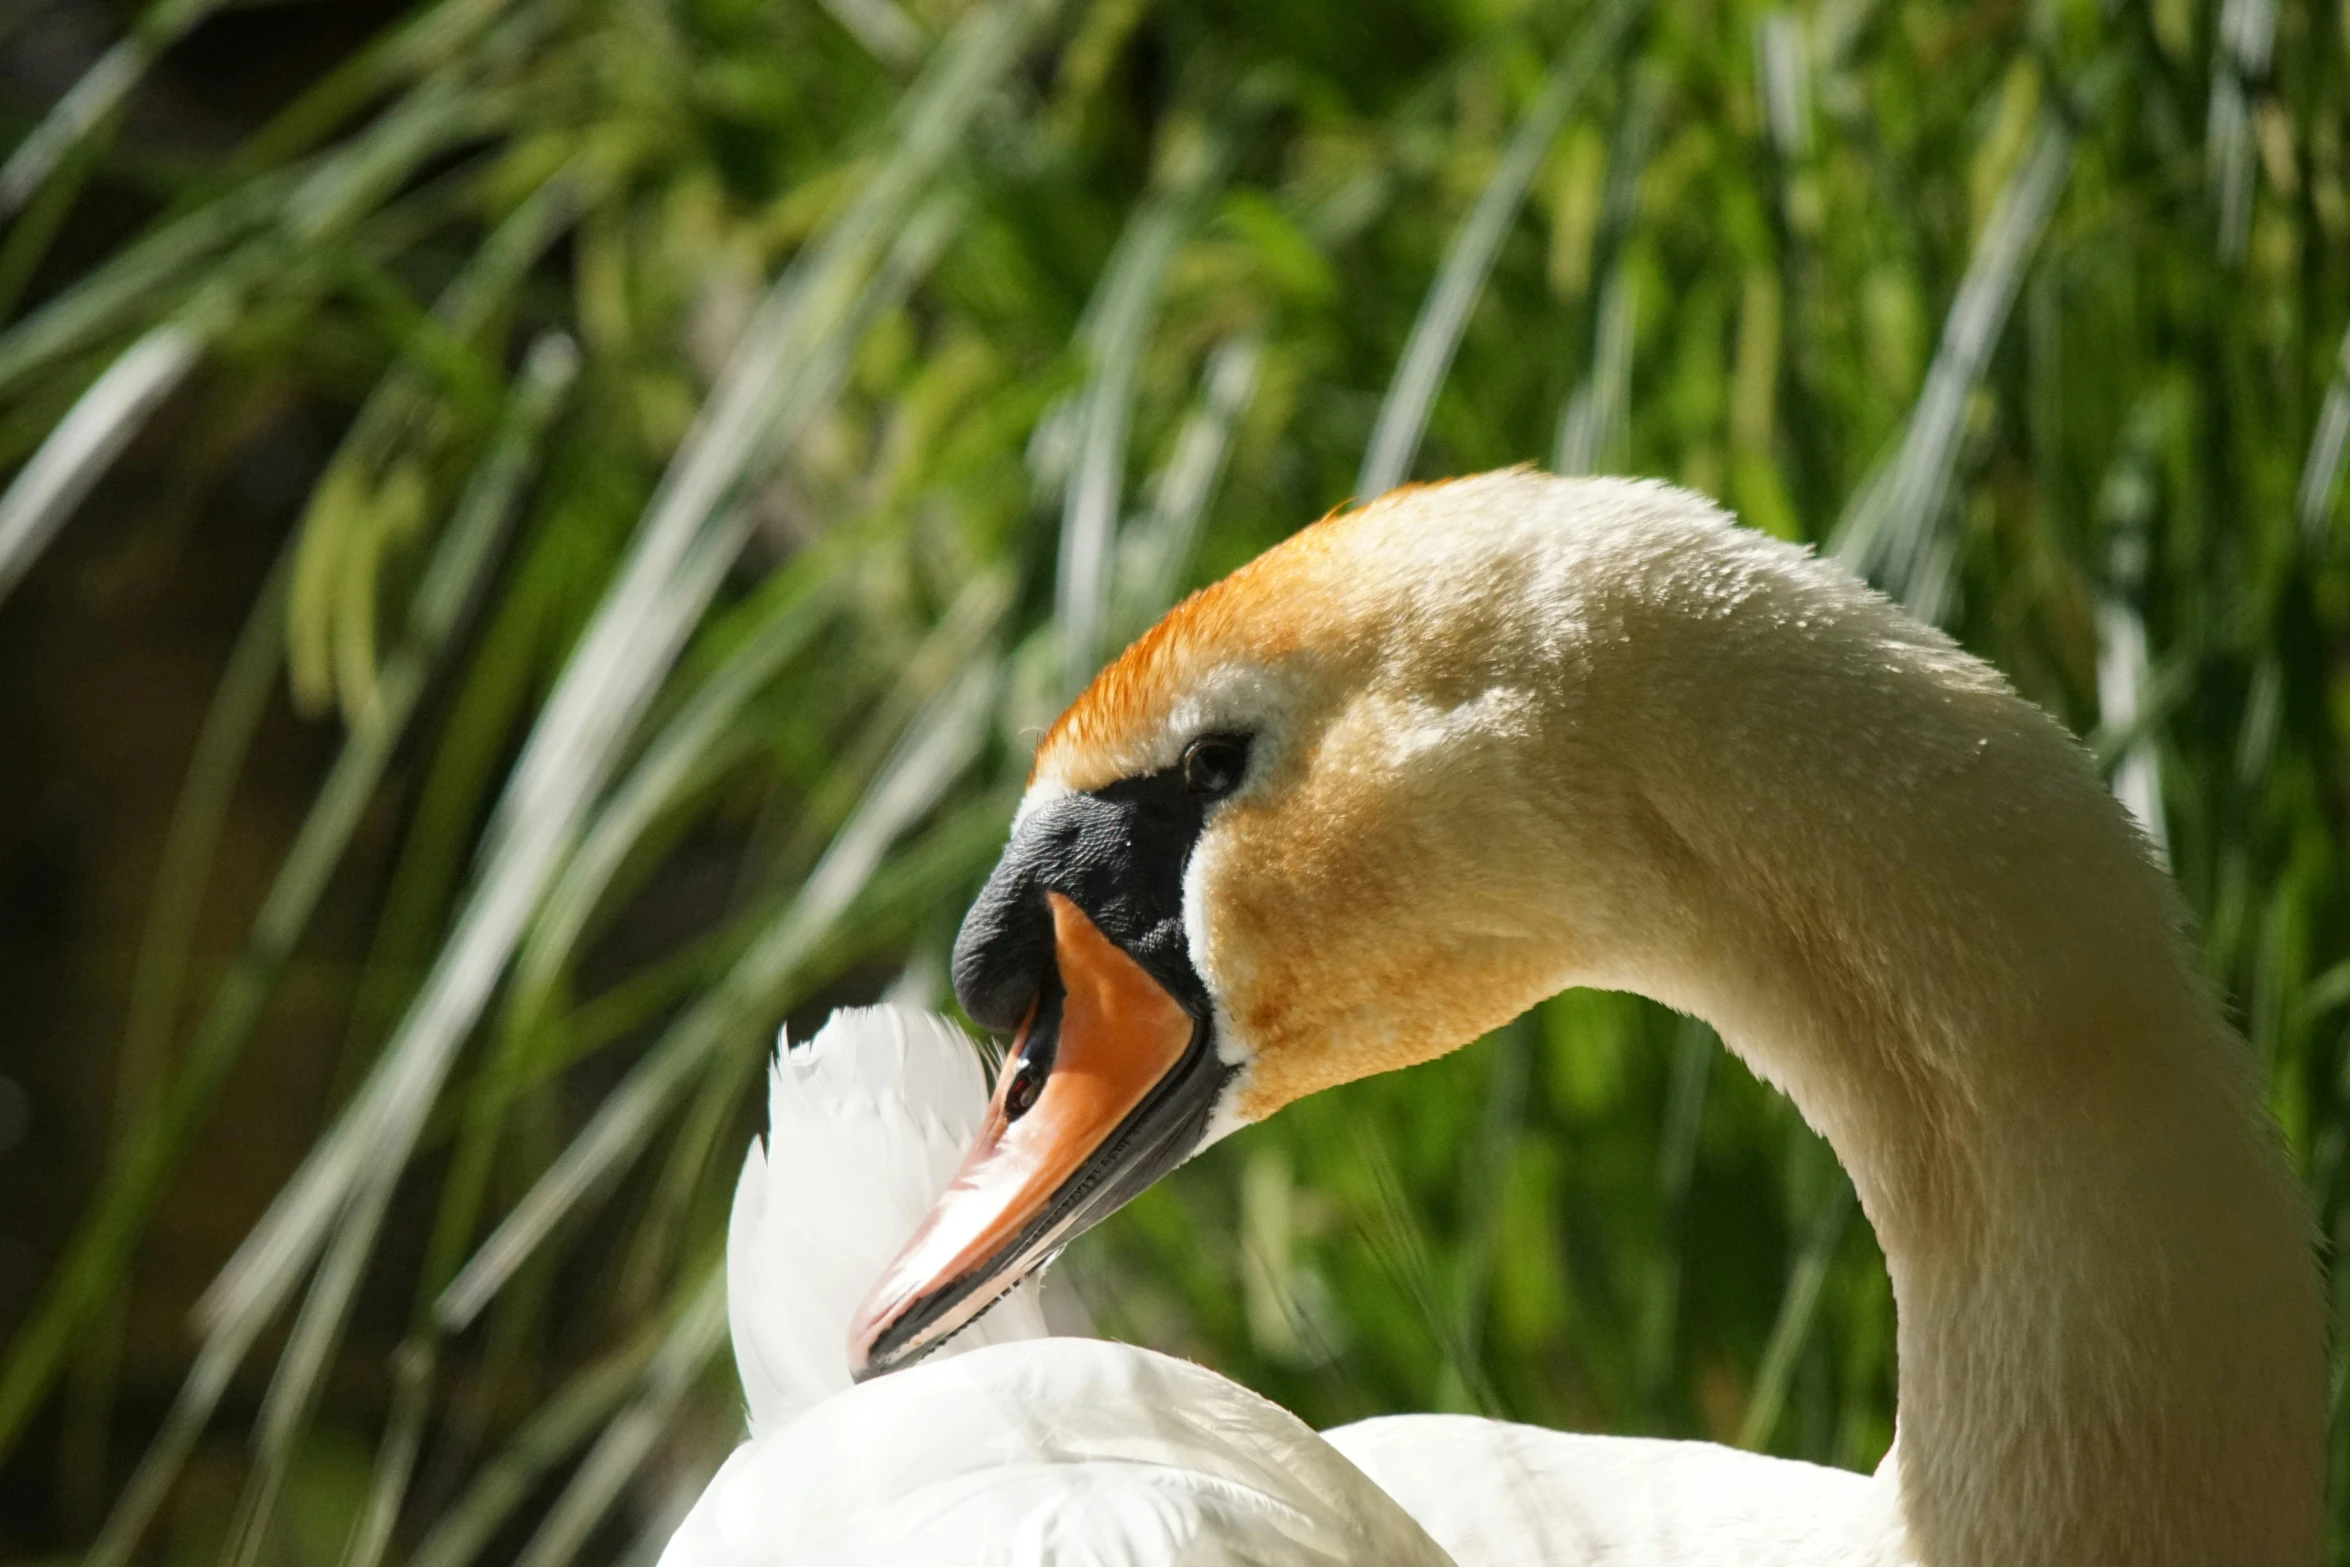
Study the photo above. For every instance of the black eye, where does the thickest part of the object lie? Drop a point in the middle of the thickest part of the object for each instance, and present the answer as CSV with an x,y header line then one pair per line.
x,y
1213,765
1020,1093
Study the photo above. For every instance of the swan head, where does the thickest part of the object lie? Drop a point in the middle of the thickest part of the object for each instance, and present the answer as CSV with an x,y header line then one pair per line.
x,y
1333,815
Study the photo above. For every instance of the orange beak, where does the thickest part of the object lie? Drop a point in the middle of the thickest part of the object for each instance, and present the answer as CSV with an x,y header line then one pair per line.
x,y
1070,1128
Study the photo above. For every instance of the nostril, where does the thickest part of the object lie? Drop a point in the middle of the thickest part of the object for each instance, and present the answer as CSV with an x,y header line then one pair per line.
x,y
1026,1082
1033,1053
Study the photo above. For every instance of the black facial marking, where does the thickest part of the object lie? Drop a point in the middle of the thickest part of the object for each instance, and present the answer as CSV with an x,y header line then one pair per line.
x,y
1119,854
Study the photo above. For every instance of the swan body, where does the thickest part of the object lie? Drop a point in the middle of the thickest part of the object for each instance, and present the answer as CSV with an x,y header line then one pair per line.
x,y
1062,1451
1011,1447
1428,762
1497,1494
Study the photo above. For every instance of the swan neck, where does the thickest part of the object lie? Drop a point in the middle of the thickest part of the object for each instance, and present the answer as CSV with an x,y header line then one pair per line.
x,y
1903,896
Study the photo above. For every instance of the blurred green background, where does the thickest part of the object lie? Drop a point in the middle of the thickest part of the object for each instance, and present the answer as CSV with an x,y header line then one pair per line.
x,y
542,531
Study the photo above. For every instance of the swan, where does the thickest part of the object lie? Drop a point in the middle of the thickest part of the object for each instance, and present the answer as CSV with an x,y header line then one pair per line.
x,y
1430,761
1006,1447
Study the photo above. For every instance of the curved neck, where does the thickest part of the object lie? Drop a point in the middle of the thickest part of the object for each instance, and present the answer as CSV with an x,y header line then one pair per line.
x,y
1900,893
2109,1332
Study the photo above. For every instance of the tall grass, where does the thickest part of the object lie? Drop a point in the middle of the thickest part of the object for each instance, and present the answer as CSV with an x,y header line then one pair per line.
x,y
895,361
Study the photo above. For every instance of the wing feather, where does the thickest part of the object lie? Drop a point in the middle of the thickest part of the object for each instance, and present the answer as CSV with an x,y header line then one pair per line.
x,y
866,1123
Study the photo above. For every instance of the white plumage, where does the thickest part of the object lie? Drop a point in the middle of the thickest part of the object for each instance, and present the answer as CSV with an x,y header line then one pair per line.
x,y
1053,1451
1495,1494
1006,1446
866,1123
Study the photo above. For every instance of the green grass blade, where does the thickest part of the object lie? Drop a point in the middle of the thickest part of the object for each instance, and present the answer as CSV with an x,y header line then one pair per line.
x,y
151,1481
692,743
1485,1176
395,422
75,1300
935,750
1115,332
435,40
1594,423
1155,552
118,298
1798,1310
85,443
412,1380
1399,1242
691,533
707,732
1892,532
284,219
293,1389
886,31
2321,469
1591,427
1436,333
2124,658
78,452
559,1427
93,98
628,1439
1694,1049
453,579
159,980
2247,33
1782,75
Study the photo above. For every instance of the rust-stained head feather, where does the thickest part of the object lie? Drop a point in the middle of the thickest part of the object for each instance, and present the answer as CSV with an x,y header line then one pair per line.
x,y
1262,612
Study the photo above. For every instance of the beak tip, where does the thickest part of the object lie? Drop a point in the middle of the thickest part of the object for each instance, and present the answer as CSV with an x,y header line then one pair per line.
x,y
865,1333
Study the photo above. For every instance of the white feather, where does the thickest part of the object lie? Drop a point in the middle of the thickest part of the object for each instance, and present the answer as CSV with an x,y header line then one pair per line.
x,y
1501,1495
866,1123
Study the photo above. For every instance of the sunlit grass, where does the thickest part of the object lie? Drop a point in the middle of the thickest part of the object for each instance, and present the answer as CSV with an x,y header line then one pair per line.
x,y
760,417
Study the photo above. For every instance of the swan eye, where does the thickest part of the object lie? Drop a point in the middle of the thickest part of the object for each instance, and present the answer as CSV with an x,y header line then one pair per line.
x,y
1213,765
1020,1093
